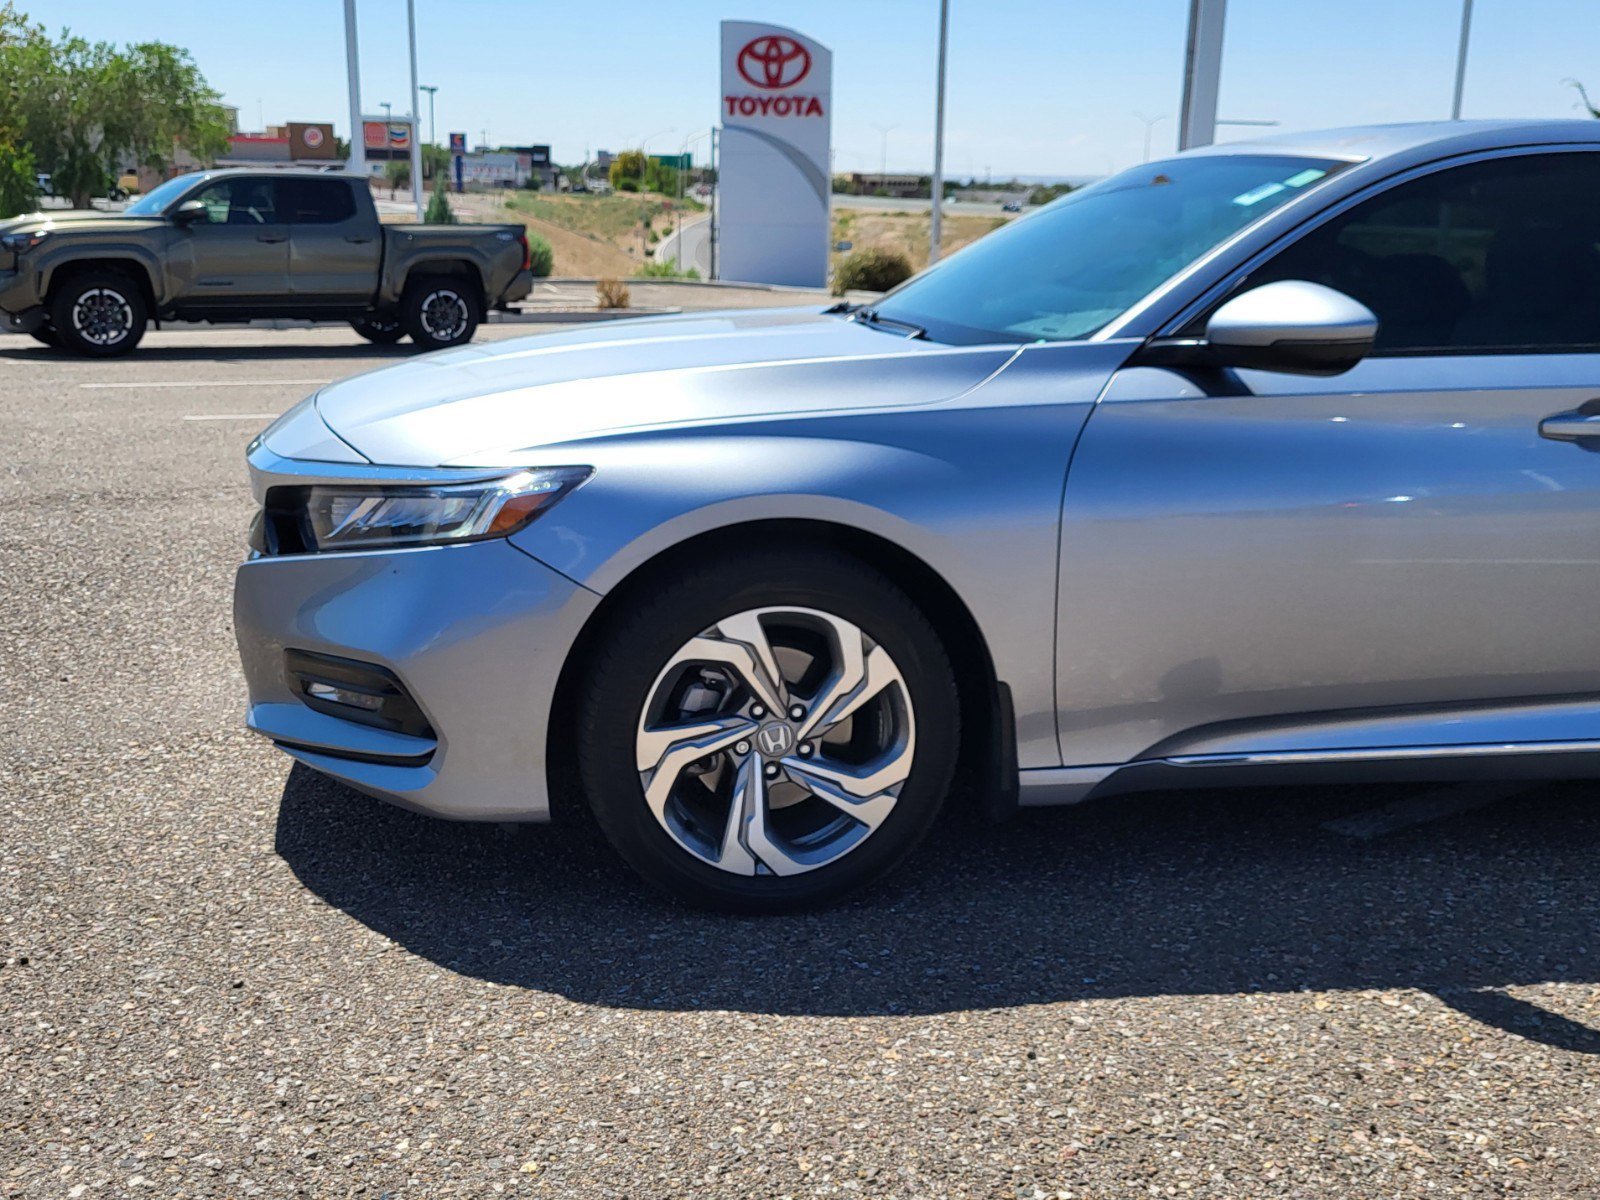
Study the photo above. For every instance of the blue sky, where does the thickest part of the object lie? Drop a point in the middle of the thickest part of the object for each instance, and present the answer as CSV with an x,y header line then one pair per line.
x,y
1036,86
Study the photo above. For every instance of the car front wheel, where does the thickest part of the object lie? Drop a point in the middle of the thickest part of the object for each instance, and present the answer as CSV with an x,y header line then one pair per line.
x,y
769,734
439,312
100,314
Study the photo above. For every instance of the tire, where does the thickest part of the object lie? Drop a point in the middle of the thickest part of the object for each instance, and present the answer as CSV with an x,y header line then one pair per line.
x,y
380,331
99,314
47,335
439,311
900,744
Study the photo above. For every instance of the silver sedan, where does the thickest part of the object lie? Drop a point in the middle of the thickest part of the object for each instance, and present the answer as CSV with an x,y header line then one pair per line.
x,y
1271,461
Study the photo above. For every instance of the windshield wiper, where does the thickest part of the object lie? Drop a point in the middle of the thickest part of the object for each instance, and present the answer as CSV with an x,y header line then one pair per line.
x,y
871,316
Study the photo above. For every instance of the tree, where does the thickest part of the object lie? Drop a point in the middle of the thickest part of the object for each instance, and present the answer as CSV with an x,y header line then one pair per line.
x,y
628,167
659,177
435,162
1587,103
397,173
84,108
439,209
18,182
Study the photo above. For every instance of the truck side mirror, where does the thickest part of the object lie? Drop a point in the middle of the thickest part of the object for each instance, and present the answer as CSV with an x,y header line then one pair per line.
x,y
189,212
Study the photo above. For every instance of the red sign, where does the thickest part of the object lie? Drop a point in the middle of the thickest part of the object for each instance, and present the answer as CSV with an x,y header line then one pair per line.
x,y
774,61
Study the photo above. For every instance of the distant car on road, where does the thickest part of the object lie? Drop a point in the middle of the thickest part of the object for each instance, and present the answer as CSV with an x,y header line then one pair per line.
x,y
1011,206
1270,462
236,245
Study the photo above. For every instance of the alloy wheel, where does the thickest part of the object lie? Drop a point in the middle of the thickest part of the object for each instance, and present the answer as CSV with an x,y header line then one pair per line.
x,y
776,741
445,314
102,316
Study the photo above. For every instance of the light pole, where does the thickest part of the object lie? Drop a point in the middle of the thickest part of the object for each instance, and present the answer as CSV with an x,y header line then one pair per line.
x,y
416,134
1461,58
352,56
885,130
1149,124
433,129
935,231
1202,73
388,110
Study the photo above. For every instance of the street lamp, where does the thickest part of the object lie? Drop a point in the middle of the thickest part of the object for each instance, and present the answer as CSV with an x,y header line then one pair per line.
x,y
433,129
885,130
935,233
1149,124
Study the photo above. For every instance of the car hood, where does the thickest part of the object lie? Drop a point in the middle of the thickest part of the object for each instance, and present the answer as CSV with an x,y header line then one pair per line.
x,y
480,406
72,218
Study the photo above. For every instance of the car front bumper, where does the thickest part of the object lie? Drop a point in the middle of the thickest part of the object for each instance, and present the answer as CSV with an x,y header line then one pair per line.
x,y
476,633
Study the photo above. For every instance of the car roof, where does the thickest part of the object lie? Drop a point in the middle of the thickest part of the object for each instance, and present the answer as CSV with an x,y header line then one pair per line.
x,y
277,173
1419,139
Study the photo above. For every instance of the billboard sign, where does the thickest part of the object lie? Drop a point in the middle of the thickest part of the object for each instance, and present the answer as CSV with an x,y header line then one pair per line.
x,y
311,141
386,140
773,180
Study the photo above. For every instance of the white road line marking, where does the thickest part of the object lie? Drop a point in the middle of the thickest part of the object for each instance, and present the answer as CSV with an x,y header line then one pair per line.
x,y
1420,809
234,417
170,383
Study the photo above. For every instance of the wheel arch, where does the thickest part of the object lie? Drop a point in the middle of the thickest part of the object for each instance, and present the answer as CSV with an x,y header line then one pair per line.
x,y
988,741
448,267
135,268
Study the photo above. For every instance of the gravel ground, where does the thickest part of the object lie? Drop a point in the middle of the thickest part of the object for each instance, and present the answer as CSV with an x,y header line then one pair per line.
x,y
223,977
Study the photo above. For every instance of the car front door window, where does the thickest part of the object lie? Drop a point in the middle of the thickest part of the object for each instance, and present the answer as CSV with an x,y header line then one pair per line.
x,y
1493,257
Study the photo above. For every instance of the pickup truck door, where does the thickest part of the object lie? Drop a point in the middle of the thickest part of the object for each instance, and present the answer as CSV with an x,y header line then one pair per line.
x,y
238,255
335,244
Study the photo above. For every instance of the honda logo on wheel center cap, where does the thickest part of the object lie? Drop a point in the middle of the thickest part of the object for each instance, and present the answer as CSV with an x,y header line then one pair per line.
x,y
775,739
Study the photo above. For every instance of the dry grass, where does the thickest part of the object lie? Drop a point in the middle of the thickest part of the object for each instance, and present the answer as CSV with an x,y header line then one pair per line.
x,y
612,293
906,233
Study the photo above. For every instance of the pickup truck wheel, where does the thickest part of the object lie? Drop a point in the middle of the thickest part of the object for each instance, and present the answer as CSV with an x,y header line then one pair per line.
x,y
439,312
380,331
99,314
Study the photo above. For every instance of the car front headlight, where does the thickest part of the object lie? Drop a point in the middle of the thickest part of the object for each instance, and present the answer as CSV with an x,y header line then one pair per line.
x,y
17,243
356,517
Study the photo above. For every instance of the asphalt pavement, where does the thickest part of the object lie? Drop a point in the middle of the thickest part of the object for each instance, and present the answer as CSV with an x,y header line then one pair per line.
x,y
223,977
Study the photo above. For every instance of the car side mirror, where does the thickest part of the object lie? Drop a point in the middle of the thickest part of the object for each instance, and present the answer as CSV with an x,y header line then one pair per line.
x,y
189,212
1293,326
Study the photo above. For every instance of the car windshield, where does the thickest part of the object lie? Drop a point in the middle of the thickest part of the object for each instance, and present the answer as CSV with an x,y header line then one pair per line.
x,y
154,202
1078,264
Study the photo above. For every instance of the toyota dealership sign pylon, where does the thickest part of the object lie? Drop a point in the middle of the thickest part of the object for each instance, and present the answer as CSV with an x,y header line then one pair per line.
x,y
773,171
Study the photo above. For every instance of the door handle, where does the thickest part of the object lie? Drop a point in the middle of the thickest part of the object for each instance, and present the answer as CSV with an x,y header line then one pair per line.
x,y
360,241
272,238
1575,426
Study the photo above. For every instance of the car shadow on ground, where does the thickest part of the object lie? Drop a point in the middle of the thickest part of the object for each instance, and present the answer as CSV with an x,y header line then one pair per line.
x,y
1196,892
201,353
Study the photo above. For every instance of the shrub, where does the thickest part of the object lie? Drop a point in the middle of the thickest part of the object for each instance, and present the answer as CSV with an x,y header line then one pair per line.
x,y
665,269
870,270
612,293
541,258
18,183
439,209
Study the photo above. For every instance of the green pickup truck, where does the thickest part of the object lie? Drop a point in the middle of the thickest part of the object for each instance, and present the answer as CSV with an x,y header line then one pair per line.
x,y
236,245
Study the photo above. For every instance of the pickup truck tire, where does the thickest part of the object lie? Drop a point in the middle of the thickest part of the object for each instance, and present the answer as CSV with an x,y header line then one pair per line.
x,y
380,331
99,313
439,311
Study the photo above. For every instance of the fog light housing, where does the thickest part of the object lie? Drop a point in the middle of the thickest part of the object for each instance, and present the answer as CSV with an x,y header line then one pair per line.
x,y
356,691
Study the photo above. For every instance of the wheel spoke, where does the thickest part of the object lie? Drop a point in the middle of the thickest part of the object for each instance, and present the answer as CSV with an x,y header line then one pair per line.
x,y
866,793
763,676
747,842
849,689
665,752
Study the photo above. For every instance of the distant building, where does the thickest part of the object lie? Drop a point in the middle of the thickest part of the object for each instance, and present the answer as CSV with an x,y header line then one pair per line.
x,y
900,186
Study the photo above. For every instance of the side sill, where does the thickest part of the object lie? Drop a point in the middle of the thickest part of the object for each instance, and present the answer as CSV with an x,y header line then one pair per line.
x,y
1578,759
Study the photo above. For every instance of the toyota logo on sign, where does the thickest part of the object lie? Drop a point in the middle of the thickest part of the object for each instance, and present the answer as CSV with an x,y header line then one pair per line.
x,y
774,61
